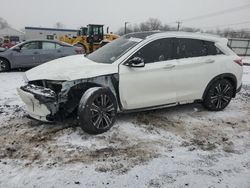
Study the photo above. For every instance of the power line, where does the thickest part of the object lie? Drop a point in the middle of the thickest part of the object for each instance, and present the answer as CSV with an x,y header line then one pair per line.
x,y
216,13
239,23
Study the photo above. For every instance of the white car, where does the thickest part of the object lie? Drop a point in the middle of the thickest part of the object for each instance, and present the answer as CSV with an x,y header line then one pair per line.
x,y
138,71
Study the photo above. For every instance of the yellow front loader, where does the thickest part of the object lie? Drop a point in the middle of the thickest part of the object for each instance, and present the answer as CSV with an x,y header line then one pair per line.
x,y
90,38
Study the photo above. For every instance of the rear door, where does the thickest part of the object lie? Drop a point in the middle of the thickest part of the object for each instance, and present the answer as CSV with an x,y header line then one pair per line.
x,y
196,66
49,51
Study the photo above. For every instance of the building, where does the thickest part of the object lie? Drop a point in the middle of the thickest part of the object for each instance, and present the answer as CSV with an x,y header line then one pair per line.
x,y
11,34
47,33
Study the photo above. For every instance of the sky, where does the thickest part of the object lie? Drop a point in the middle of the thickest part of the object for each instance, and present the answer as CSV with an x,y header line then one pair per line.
x,y
113,13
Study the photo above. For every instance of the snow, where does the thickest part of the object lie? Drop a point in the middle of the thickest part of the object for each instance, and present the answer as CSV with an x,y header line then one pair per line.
x,y
184,146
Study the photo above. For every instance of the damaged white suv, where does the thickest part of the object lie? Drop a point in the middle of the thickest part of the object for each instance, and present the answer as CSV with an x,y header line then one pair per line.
x,y
138,71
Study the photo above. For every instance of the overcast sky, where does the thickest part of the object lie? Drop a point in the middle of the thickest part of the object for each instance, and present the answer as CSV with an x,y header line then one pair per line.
x,y
113,13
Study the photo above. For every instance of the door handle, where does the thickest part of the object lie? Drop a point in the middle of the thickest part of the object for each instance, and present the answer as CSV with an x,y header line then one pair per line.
x,y
35,53
209,61
169,66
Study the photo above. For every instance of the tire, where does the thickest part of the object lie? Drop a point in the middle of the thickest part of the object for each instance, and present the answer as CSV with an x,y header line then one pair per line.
x,y
4,65
218,95
82,46
97,110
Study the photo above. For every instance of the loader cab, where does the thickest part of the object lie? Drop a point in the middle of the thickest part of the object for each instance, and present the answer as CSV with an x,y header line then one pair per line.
x,y
94,33
82,31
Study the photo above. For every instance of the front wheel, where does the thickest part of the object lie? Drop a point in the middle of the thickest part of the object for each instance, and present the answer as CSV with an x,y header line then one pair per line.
x,y
219,95
4,65
97,110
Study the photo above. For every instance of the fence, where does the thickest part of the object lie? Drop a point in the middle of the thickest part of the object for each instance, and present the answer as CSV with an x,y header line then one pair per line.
x,y
240,46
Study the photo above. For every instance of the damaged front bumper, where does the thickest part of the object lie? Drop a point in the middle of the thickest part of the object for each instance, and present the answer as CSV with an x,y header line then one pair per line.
x,y
41,103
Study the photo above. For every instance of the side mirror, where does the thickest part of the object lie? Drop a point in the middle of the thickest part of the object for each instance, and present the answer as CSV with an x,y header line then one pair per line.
x,y
17,49
136,62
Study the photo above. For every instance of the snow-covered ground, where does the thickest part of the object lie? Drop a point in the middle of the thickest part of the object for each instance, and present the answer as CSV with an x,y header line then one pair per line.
x,y
184,146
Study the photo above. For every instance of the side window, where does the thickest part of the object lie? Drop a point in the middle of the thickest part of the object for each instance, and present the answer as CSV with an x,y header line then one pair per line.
x,y
211,48
48,45
58,46
50,37
158,50
190,48
30,46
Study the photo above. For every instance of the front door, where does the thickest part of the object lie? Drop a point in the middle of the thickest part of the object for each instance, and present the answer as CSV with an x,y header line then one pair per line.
x,y
151,85
28,56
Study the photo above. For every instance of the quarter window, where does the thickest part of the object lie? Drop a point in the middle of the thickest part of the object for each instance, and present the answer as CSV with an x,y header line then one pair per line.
x,y
211,48
158,50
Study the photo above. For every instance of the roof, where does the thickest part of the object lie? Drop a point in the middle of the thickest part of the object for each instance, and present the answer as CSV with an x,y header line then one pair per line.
x,y
8,31
180,34
46,40
50,29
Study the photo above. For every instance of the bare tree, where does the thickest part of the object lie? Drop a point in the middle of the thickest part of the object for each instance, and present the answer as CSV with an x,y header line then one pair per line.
x,y
3,23
155,24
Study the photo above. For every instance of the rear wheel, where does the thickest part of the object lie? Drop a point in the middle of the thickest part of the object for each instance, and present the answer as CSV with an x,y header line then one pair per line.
x,y
219,95
4,65
97,110
81,46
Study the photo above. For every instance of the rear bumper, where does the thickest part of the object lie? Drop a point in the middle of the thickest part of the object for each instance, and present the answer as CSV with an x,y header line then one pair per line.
x,y
39,105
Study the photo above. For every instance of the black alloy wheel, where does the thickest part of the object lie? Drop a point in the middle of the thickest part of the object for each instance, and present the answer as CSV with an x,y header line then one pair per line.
x,y
219,95
97,110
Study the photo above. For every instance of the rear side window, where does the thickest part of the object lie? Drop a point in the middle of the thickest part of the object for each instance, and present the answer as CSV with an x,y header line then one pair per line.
x,y
195,48
48,45
158,50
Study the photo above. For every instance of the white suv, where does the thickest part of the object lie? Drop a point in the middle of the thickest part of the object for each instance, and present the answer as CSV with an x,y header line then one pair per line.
x,y
138,71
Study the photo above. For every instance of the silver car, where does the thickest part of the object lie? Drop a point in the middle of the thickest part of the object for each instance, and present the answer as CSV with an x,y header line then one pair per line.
x,y
34,52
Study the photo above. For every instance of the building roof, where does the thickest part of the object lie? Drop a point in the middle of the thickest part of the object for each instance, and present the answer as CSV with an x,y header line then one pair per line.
x,y
8,31
50,29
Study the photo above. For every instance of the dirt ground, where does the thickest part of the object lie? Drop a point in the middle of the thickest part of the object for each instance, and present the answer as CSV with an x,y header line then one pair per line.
x,y
175,147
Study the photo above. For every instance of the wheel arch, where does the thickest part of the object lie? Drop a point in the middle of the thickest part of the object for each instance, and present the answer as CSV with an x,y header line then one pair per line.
x,y
228,76
79,87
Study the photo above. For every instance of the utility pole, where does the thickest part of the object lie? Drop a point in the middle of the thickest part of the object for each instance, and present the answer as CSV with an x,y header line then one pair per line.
x,y
178,25
125,28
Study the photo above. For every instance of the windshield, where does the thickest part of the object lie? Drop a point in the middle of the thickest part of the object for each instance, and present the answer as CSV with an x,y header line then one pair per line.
x,y
112,51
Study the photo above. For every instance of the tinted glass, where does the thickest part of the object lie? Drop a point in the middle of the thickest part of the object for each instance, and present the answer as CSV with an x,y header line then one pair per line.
x,y
190,48
158,50
211,48
195,48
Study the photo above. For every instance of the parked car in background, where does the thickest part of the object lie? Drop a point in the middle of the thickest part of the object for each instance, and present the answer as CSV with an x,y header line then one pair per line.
x,y
139,71
34,52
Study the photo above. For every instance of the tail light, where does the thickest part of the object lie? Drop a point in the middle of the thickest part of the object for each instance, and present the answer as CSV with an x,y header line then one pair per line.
x,y
239,61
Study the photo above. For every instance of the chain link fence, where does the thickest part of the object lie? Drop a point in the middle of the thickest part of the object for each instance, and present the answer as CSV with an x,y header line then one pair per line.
x,y
240,46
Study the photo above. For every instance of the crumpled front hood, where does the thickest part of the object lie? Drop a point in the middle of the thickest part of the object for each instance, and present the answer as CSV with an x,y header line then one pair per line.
x,y
70,68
